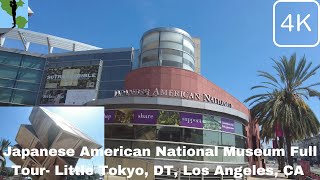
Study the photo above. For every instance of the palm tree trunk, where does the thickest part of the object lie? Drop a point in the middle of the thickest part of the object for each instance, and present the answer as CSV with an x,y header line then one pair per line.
x,y
281,158
289,157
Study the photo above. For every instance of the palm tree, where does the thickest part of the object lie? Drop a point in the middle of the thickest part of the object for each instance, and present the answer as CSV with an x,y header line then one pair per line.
x,y
283,102
4,144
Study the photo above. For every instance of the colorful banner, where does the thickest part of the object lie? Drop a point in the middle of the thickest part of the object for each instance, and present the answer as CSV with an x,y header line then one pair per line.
x,y
227,125
145,116
73,77
109,116
191,120
168,118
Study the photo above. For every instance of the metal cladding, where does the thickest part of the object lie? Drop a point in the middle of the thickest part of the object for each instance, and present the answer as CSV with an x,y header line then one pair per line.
x,y
49,131
54,132
171,47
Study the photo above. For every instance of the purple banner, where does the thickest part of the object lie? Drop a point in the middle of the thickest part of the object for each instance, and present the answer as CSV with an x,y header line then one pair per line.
x,y
145,116
109,116
191,120
227,125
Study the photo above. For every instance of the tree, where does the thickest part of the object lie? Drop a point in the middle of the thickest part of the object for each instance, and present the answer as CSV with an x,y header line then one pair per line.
x,y
4,144
283,102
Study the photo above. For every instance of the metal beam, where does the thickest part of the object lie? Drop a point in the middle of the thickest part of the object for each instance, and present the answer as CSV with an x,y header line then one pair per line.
x,y
2,40
24,42
42,39
50,48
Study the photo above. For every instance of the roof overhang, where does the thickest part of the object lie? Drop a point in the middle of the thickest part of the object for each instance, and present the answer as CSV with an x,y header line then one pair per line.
x,y
30,37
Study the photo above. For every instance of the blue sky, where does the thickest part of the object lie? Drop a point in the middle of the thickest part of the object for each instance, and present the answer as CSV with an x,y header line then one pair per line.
x,y
236,36
89,120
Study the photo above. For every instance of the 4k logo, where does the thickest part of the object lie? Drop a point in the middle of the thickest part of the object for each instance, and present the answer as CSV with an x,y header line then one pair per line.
x,y
293,26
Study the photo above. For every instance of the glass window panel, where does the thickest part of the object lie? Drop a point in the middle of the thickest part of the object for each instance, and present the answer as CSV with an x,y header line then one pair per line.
x,y
10,58
234,159
145,132
193,158
171,63
6,83
169,57
8,72
119,131
150,63
170,45
114,144
187,67
117,63
145,145
188,57
211,122
112,85
105,94
189,45
33,62
171,51
151,58
115,73
24,97
228,139
217,158
188,63
188,39
167,145
188,51
169,134
211,137
238,128
240,142
110,56
150,53
192,135
27,86
153,45
152,37
171,36
5,94
30,75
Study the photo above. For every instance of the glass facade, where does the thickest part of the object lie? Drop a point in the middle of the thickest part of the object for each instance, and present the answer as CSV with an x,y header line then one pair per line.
x,y
129,128
22,75
167,47
116,65
20,78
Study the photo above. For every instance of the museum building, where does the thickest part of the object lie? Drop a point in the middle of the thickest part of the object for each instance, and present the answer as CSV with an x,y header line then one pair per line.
x,y
167,103
154,95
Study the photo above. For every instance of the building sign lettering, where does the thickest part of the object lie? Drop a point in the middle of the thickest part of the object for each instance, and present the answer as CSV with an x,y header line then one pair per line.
x,y
172,93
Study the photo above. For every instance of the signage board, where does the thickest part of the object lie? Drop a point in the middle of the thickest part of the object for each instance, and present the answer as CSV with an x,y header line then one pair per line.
x,y
73,77
145,116
227,125
54,97
80,96
191,120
